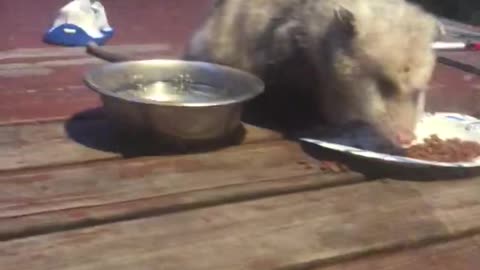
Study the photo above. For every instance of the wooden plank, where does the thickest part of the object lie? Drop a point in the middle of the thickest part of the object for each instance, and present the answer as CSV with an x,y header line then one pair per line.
x,y
78,140
35,91
454,91
468,58
283,232
455,255
47,200
464,61
141,21
40,89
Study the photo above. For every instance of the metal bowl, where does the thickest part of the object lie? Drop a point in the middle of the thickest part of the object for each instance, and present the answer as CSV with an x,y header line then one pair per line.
x,y
180,100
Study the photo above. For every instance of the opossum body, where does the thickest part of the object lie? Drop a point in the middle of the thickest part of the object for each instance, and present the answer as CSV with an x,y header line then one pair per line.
x,y
355,60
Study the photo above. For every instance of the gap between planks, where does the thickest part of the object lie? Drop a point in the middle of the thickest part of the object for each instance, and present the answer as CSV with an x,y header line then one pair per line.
x,y
465,67
68,219
69,197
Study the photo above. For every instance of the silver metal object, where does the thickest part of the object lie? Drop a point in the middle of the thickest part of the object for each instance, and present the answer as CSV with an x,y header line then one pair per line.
x,y
180,100
443,45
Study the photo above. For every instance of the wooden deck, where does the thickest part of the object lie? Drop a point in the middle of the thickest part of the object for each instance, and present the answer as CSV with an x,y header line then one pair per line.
x,y
74,196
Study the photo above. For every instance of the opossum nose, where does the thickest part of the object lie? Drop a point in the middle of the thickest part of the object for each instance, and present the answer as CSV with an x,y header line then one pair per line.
x,y
404,137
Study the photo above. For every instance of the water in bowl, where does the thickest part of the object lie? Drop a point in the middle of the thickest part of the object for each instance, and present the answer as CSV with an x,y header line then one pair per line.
x,y
176,91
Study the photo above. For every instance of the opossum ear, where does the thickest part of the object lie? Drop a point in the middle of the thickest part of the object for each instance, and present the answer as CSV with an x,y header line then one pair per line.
x,y
345,20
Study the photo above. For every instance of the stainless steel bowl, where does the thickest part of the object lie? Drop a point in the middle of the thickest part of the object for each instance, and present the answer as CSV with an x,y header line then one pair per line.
x,y
180,100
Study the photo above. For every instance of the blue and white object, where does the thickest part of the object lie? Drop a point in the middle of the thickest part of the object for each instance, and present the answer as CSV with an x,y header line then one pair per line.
x,y
79,23
444,125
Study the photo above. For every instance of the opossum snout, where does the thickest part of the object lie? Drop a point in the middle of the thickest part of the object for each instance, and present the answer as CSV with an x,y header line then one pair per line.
x,y
399,122
403,137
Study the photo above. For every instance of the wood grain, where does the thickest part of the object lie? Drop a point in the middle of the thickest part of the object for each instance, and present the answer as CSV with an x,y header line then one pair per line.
x,y
77,141
50,53
282,232
48,89
45,200
454,91
455,255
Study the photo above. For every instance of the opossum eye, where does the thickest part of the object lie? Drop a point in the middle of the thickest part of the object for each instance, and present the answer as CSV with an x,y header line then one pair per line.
x,y
386,87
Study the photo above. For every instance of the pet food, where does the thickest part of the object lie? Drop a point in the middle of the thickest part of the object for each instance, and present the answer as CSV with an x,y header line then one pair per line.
x,y
451,150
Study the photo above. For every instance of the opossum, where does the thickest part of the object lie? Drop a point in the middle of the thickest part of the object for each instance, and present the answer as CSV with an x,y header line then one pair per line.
x,y
364,61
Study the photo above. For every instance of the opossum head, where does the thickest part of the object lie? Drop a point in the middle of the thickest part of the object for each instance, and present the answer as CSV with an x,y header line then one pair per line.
x,y
378,69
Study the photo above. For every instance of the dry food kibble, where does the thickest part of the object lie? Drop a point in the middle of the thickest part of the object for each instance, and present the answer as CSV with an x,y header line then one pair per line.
x,y
451,150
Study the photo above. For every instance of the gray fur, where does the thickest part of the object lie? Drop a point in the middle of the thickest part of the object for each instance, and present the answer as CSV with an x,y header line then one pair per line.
x,y
364,60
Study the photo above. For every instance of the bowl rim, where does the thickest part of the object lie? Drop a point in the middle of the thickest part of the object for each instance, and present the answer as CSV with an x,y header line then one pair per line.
x,y
259,89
